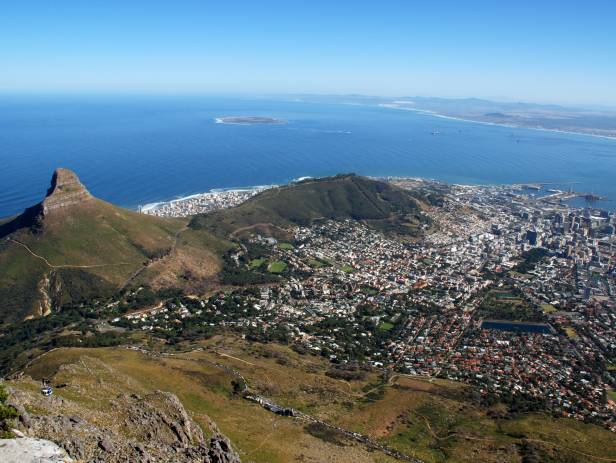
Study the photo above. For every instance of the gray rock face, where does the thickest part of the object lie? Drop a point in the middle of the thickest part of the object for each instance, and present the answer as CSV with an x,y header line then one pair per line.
x,y
66,190
154,427
24,416
30,450
220,451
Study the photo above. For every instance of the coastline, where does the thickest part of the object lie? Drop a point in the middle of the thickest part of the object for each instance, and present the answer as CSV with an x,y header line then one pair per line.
x,y
150,207
154,205
498,124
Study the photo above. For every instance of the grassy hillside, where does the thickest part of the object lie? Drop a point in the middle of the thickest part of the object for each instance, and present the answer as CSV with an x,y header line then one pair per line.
x,y
72,247
378,204
91,248
435,421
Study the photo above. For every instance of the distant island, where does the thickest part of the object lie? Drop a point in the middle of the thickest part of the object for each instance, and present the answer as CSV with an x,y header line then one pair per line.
x,y
249,120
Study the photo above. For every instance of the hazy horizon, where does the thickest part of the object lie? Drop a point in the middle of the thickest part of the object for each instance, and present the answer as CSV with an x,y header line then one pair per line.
x,y
523,52
249,95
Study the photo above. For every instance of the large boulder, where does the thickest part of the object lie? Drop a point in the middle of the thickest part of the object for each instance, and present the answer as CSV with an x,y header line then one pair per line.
x,y
220,451
30,450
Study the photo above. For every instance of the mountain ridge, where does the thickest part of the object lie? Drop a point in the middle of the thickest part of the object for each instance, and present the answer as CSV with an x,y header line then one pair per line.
x,y
72,246
66,190
345,196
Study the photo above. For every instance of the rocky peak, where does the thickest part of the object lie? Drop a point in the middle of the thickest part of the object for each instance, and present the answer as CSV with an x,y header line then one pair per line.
x,y
65,190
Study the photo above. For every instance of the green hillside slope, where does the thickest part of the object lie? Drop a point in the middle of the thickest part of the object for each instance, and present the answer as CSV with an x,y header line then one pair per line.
x,y
73,246
378,204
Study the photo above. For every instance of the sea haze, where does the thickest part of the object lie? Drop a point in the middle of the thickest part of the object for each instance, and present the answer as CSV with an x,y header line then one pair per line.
x,y
138,150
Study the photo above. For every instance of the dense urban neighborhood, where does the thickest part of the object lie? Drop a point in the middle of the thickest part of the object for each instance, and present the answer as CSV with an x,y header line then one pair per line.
x,y
201,203
308,232
507,290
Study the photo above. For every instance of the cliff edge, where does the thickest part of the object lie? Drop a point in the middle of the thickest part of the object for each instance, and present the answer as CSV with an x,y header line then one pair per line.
x,y
66,190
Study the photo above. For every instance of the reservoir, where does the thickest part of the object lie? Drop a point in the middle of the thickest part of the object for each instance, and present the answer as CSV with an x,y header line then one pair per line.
x,y
521,327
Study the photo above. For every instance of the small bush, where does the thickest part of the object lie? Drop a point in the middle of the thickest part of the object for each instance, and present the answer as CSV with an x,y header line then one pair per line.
x,y
7,414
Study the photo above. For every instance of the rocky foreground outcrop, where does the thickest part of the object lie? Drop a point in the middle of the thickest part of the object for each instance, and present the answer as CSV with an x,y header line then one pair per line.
x,y
30,450
117,426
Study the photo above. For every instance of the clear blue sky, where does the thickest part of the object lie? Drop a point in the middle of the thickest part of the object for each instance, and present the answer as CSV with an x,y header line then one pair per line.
x,y
546,51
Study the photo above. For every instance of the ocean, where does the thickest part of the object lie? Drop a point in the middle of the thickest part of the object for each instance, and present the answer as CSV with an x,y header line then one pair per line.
x,y
133,150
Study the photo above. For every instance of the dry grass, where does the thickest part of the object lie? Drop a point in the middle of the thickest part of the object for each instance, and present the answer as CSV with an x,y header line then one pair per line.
x,y
206,392
433,420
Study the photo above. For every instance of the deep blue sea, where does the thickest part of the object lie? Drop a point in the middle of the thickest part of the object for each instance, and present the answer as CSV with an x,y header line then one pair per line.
x,y
138,150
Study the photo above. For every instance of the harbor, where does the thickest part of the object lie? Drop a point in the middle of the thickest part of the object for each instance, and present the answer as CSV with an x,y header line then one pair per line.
x,y
557,195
